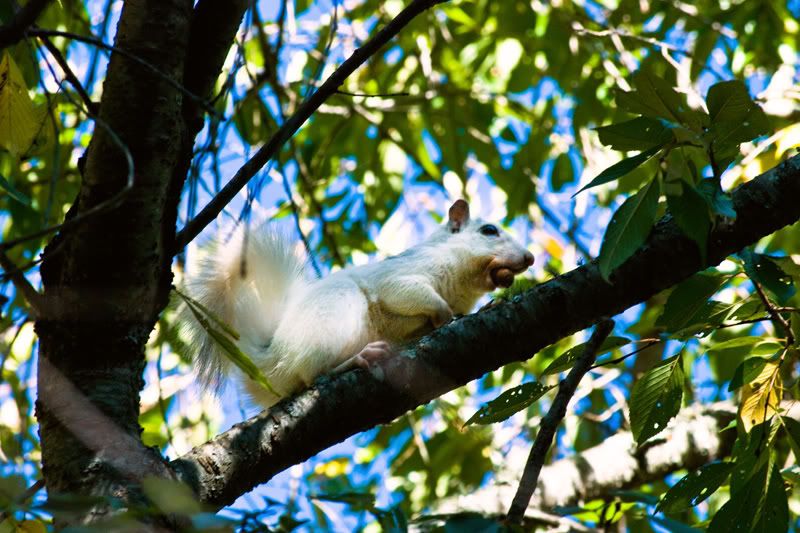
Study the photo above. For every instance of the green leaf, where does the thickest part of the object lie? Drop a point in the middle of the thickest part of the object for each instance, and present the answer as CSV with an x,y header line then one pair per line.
x,y
566,360
760,505
20,121
170,496
191,302
728,101
617,170
719,201
792,427
14,193
748,371
654,97
641,133
693,216
629,228
735,117
752,345
508,403
656,398
687,300
562,172
230,349
760,269
695,487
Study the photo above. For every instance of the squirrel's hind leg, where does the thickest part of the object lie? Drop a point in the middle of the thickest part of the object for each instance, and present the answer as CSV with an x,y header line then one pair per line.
x,y
368,359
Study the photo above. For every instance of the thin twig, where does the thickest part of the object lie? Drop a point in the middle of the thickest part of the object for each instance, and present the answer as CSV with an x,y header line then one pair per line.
x,y
550,422
650,342
25,496
13,273
38,32
774,314
375,95
304,112
69,74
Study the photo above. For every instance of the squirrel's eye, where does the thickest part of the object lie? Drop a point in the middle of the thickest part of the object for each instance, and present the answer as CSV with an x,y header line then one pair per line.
x,y
489,230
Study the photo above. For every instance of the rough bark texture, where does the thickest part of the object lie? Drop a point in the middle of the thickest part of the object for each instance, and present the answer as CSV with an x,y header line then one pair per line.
x,y
335,408
107,279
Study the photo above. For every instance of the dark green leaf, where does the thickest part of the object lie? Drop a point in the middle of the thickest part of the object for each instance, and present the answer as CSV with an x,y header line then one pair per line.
x,y
656,398
695,487
760,269
720,202
654,97
508,403
641,133
14,193
567,359
687,299
693,216
617,170
562,172
629,228
728,101
792,427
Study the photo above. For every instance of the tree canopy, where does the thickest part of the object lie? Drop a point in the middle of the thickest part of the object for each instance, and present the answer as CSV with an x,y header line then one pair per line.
x,y
644,151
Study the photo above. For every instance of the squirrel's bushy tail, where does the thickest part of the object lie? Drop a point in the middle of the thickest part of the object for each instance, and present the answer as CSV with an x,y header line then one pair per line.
x,y
245,282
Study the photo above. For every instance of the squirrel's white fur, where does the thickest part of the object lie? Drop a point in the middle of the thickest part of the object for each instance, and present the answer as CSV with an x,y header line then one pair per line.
x,y
295,329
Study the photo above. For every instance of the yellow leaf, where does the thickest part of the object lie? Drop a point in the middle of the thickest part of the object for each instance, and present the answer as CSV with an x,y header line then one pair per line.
x,y
760,397
31,526
787,138
20,122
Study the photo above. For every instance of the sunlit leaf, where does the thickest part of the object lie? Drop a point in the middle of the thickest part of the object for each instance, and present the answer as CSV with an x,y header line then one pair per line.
x,y
20,121
761,396
617,170
641,133
656,398
508,403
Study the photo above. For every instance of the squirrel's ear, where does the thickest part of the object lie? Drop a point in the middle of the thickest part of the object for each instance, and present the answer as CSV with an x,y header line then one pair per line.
x,y
458,216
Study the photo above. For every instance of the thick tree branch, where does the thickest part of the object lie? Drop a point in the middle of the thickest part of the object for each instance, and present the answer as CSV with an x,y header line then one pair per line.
x,y
22,20
290,127
338,407
692,439
554,416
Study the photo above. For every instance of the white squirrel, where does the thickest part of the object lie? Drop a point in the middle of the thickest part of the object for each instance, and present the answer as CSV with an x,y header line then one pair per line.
x,y
295,329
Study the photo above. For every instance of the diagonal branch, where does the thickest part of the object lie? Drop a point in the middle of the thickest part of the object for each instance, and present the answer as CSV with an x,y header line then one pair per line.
x,y
338,407
549,425
303,113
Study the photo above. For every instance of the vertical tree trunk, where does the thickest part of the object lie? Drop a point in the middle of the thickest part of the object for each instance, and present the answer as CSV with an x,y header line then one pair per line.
x,y
107,279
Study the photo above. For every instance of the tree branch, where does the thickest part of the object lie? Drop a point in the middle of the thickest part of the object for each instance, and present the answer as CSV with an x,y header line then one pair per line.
x,y
22,20
549,424
290,127
693,438
340,406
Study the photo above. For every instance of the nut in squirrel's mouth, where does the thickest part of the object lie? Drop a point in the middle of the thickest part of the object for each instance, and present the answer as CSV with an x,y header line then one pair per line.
x,y
503,275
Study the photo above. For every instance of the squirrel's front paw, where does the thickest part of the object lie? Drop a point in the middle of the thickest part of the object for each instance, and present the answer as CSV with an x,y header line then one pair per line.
x,y
442,317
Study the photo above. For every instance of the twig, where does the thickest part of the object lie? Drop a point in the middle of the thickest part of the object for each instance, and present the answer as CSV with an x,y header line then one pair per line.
x,y
25,496
22,284
650,342
38,32
24,18
375,95
69,74
550,422
774,314
288,129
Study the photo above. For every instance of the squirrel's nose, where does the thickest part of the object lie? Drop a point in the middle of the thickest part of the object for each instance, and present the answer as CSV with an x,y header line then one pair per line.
x,y
528,258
